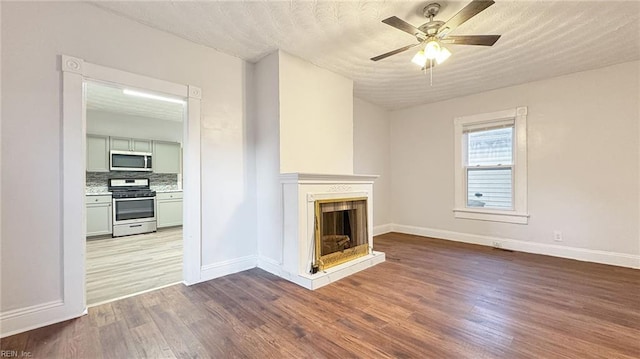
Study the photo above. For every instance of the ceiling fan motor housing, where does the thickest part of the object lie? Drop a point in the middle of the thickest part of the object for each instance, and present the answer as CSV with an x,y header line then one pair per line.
x,y
431,28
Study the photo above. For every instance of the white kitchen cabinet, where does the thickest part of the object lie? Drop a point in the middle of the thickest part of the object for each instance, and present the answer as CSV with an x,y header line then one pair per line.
x,y
97,153
166,157
99,215
130,144
169,209
120,144
141,145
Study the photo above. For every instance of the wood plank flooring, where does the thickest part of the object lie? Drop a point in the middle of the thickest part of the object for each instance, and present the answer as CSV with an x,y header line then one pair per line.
x,y
118,267
430,299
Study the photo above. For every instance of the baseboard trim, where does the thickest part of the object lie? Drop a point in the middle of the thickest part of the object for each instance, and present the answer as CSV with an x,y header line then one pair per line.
x,y
220,269
11,314
581,254
22,319
270,265
382,229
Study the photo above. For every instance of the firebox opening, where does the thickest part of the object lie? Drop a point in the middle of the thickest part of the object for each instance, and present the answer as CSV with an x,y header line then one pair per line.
x,y
336,231
341,231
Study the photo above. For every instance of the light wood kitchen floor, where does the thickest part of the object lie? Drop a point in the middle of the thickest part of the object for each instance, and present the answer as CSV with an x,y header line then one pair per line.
x,y
120,267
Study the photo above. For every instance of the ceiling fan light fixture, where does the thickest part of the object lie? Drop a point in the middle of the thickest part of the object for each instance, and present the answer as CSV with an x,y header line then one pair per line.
x,y
431,33
419,58
443,55
432,49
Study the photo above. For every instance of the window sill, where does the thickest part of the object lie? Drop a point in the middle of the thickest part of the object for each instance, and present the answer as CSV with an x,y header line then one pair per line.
x,y
491,215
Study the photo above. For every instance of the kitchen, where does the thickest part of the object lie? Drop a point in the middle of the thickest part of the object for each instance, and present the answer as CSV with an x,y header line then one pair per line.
x,y
134,209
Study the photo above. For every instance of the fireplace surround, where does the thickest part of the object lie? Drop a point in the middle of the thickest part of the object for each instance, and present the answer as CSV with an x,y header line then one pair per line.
x,y
327,227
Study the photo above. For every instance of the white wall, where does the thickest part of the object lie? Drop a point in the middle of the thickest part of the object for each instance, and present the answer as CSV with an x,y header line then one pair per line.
x,y
116,124
316,119
33,37
267,144
303,117
583,157
371,154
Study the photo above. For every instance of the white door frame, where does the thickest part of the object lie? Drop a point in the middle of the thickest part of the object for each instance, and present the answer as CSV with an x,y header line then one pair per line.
x,y
74,73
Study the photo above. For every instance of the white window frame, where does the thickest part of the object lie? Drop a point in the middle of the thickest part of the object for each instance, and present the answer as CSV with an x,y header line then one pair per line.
x,y
519,214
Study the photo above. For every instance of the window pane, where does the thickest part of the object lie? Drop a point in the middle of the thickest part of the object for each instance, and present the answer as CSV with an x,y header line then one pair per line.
x,y
489,188
491,147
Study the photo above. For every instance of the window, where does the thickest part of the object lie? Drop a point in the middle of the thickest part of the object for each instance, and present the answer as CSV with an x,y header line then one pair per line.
x,y
491,166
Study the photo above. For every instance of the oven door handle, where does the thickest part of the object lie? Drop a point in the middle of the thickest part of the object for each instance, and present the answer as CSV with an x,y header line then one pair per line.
x,y
134,199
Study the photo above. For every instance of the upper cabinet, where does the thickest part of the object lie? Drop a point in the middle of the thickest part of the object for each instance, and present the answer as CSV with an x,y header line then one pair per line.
x,y
97,153
166,157
130,144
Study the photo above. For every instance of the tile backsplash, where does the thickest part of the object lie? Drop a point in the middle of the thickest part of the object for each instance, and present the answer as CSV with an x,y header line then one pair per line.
x,y
97,181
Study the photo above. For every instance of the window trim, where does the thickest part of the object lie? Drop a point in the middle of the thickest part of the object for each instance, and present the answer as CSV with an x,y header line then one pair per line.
x,y
519,214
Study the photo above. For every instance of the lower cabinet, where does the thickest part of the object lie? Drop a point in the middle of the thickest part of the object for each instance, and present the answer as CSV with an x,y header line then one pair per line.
x,y
100,212
169,209
99,215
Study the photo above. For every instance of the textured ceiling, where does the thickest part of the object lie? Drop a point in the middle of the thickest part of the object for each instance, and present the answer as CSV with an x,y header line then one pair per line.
x,y
111,99
540,39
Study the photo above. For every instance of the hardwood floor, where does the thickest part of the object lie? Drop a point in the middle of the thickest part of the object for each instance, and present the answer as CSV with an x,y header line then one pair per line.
x,y
118,267
430,299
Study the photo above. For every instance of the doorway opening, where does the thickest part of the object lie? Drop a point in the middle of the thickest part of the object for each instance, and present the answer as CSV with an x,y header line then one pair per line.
x,y
134,187
75,74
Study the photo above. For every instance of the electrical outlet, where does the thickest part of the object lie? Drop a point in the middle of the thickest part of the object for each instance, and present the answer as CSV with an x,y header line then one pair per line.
x,y
497,244
557,236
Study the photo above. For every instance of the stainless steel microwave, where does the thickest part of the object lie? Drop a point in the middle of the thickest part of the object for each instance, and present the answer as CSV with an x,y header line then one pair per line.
x,y
130,161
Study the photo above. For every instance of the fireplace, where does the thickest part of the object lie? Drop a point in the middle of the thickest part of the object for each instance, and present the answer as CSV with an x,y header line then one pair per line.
x,y
337,210
340,231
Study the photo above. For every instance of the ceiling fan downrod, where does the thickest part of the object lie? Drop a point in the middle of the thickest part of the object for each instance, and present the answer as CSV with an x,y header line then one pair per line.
x,y
431,27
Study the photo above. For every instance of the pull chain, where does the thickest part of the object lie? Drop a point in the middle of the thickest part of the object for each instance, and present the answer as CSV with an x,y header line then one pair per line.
x,y
431,72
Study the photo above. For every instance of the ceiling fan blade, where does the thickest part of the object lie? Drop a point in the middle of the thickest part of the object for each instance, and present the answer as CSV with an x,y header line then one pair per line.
x,y
481,40
402,25
396,51
469,11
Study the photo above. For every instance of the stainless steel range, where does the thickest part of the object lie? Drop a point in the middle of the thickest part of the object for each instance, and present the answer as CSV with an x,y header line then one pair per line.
x,y
134,206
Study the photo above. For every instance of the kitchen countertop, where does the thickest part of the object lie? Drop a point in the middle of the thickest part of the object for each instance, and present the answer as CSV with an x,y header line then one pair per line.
x,y
109,193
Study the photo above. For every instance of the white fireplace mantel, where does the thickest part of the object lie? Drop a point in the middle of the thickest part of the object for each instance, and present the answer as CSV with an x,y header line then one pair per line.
x,y
299,193
324,178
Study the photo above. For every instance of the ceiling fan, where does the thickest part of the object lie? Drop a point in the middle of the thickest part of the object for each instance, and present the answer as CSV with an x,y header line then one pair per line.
x,y
433,34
